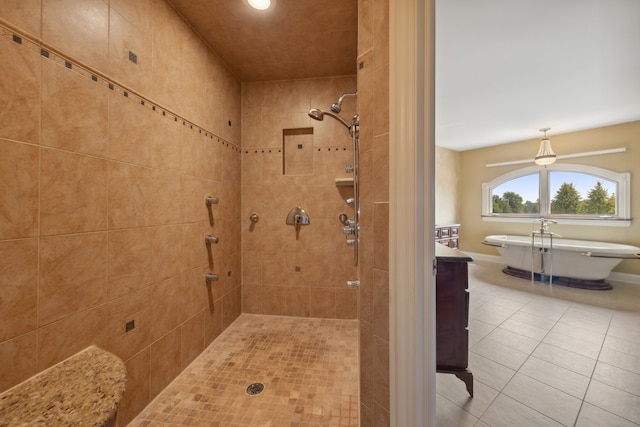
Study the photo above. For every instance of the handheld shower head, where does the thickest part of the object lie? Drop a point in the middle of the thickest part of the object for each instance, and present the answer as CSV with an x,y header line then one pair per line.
x,y
336,107
318,114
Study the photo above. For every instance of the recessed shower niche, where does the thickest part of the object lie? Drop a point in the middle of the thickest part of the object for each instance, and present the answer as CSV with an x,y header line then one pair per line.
x,y
297,148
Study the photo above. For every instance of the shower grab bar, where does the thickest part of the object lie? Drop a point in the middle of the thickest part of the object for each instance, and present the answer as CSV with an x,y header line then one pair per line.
x,y
597,255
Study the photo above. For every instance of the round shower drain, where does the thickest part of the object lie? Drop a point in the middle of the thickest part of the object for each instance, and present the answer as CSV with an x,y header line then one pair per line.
x,y
255,388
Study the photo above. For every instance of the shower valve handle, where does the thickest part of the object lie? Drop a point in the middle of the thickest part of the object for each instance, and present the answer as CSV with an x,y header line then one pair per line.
x,y
208,239
209,200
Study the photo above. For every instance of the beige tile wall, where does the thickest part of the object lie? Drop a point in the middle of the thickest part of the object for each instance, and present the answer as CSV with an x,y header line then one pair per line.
x,y
102,213
373,88
284,272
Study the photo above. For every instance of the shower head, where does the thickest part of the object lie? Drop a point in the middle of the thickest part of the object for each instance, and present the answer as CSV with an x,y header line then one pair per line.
x,y
318,114
336,107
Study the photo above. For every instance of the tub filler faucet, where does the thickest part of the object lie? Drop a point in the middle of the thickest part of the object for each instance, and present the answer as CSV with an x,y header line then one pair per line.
x,y
544,224
543,232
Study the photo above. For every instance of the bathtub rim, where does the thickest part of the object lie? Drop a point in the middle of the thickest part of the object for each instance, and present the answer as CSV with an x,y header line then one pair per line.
x,y
560,243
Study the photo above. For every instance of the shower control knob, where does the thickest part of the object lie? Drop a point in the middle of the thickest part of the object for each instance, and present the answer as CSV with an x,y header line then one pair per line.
x,y
349,230
351,242
208,239
209,200
348,169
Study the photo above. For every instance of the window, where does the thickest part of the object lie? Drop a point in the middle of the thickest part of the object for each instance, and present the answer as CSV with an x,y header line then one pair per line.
x,y
570,193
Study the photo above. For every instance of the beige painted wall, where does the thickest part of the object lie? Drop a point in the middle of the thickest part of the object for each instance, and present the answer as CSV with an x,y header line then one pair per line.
x,y
474,173
447,184
102,213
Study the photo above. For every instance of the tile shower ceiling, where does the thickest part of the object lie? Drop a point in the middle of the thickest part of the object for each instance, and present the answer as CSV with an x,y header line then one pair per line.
x,y
294,39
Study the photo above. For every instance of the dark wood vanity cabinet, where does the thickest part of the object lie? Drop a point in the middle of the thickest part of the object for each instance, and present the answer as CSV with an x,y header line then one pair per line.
x,y
448,235
452,314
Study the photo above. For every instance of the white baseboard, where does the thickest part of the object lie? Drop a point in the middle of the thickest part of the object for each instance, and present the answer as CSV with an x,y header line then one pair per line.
x,y
625,277
615,276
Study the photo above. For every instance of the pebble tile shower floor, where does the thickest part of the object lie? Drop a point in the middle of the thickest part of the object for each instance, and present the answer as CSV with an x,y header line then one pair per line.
x,y
309,368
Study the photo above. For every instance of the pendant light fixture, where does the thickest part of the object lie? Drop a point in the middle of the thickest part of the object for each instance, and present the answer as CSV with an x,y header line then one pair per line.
x,y
545,155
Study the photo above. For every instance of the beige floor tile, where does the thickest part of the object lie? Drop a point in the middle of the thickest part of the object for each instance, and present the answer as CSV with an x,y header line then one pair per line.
x,y
507,412
622,345
454,390
500,353
621,360
511,301
536,319
613,400
627,328
595,323
592,416
564,358
618,378
545,399
574,330
625,325
628,331
492,313
578,329
575,345
555,376
478,330
489,372
524,329
450,415
513,340
547,308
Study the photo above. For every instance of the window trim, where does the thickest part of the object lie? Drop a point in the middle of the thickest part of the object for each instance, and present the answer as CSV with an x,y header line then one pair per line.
x,y
623,196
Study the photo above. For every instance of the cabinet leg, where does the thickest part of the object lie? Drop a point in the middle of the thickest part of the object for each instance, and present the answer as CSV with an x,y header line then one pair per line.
x,y
467,378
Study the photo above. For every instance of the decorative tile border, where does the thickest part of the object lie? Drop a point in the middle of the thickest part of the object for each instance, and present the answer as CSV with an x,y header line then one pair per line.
x,y
268,150
52,55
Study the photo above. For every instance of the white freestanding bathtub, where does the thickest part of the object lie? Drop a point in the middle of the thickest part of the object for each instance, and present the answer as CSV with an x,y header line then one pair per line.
x,y
576,263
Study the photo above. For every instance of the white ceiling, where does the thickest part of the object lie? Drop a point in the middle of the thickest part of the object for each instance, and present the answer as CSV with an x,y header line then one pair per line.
x,y
505,68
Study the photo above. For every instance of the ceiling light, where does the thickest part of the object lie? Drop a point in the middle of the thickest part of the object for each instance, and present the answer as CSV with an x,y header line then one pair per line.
x,y
545,155
260,4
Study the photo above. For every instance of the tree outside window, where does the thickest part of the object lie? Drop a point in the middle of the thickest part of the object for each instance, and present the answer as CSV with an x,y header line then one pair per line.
x,y
559,191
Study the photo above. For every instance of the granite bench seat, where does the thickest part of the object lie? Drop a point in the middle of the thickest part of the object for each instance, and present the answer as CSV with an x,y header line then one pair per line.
x,y
83,390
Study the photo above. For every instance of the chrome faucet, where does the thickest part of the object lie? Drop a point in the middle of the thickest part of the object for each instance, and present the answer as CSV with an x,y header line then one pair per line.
x,y
544,224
